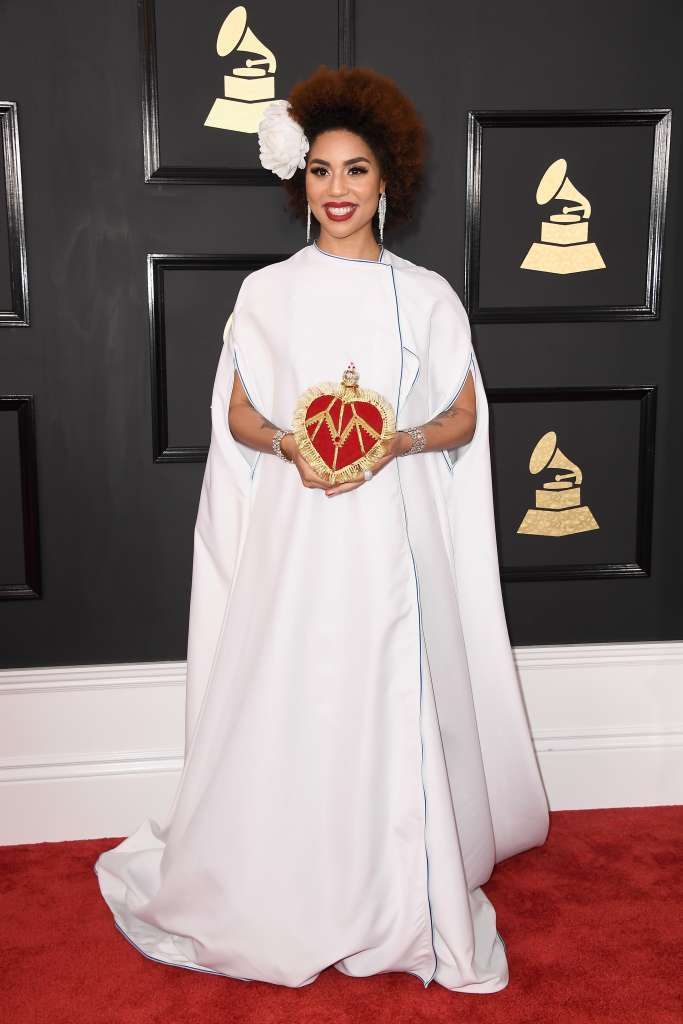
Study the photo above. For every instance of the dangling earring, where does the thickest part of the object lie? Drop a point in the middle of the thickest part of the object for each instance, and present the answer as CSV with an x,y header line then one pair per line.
x,y
382,209
308,223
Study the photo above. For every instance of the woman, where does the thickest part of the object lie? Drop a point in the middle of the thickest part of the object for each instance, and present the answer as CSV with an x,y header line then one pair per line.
x,y
357,754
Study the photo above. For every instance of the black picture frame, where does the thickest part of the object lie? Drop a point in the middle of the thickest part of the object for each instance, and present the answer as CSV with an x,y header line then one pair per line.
x,y
156,171
18,313
23,407
480,120
158,264
646,396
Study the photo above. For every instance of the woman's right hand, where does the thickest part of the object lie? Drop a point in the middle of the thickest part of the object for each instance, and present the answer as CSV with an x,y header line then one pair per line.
x,y
309,477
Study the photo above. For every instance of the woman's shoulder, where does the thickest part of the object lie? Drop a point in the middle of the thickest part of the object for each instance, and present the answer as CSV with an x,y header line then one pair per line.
x,y
260,284
438,286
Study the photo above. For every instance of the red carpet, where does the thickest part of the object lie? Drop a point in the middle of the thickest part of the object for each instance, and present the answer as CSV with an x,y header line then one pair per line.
x,y
592,921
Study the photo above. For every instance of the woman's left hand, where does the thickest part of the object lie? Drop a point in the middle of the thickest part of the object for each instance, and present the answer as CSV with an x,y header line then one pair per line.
x,y
396,443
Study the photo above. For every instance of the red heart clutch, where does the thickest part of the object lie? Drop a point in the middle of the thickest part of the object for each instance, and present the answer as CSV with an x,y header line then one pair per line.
x,y
339,429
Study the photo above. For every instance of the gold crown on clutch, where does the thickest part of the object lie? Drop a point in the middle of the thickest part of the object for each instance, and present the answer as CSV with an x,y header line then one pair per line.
x,y
350,376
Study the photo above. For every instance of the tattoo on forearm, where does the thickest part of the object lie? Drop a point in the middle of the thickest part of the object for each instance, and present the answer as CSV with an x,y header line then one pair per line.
x,y
447,415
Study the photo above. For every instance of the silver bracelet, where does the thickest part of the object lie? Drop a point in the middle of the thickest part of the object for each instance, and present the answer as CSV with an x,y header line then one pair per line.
x,y
419,440
279,434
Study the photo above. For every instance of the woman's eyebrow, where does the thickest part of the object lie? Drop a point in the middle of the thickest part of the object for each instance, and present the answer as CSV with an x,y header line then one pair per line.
x,y
318,160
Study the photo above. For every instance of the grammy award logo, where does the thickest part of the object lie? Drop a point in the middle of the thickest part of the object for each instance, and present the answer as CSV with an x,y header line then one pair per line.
x,y
564,247
249,89
558,511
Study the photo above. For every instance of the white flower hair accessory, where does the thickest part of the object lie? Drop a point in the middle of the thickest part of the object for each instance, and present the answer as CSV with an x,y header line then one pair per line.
x,y
282,142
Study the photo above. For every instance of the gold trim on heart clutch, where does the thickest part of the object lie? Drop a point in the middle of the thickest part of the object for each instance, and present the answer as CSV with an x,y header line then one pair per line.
x,y
339,429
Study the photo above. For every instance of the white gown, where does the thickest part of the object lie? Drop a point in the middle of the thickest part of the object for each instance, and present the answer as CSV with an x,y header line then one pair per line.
x,y
357,752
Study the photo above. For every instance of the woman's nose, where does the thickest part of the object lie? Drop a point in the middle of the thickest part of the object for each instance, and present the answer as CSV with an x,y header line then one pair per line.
x,y
337,184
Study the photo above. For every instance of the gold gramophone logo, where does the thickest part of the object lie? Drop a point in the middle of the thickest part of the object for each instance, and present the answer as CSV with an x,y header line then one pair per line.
x,y
248,89
558,511
564,247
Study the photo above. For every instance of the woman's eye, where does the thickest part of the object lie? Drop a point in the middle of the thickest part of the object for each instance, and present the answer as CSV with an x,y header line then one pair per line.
x,y
361,170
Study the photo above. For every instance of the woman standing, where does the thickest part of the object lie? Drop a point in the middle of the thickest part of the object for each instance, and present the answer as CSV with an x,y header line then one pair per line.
x,y
357,754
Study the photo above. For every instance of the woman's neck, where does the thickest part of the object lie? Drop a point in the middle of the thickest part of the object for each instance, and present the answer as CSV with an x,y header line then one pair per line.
x,y
353,247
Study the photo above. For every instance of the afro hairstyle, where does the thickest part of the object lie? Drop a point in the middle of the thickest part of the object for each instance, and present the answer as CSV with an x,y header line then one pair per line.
x,y
372,106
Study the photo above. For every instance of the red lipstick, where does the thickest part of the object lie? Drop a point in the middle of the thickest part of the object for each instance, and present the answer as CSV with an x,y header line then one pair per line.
x,y
331,207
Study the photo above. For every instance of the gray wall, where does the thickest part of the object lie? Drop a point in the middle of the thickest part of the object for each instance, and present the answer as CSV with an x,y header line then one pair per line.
x,y
116,527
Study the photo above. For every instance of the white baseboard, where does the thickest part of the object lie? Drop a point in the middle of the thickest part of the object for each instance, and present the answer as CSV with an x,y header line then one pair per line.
x,y
91,751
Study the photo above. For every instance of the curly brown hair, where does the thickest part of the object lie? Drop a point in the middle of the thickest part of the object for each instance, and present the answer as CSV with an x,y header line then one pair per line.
x,y
371,105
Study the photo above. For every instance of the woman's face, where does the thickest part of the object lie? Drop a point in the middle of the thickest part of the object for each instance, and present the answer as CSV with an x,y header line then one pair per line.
x,y
341,170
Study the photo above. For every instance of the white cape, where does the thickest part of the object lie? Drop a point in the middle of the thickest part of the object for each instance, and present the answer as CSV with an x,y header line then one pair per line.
x,y
357,752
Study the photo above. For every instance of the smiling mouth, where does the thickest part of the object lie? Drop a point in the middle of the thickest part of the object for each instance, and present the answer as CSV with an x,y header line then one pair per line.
x,y
339,212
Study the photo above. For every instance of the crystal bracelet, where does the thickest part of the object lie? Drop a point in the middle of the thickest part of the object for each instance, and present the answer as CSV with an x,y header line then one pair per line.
x,y
419,441
277,437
